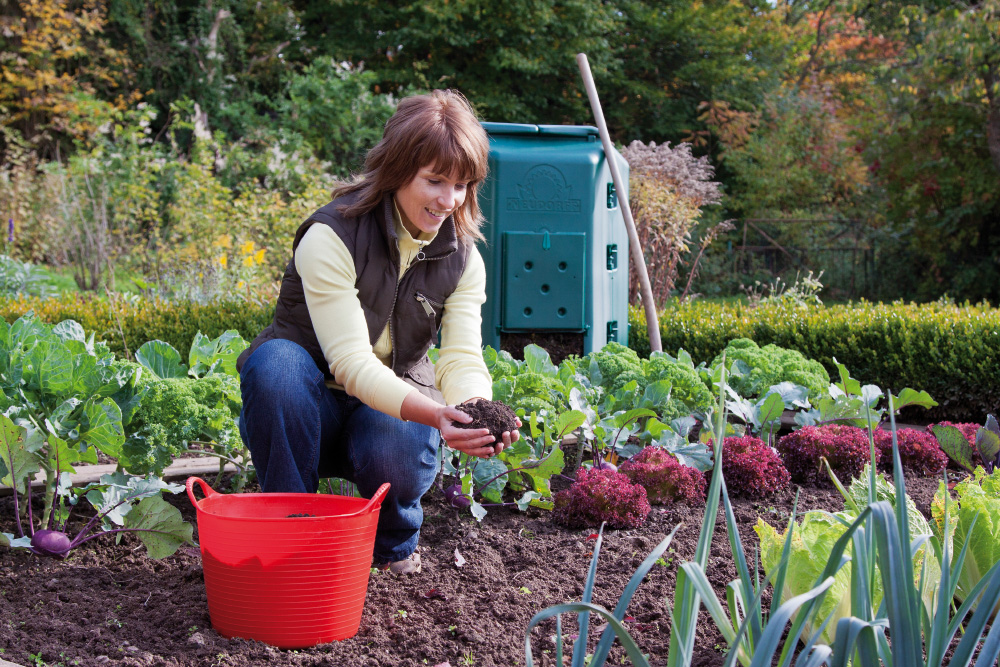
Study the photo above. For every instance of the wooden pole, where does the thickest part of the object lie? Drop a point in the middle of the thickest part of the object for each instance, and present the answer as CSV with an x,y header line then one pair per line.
x,y
652,321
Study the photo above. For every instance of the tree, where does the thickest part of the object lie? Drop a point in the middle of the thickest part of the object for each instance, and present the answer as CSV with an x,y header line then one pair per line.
x,y
673,55
513,59
60,72
231,57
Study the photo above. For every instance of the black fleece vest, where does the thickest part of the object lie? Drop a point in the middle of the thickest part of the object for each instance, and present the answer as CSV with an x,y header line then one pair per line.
x,y
412,306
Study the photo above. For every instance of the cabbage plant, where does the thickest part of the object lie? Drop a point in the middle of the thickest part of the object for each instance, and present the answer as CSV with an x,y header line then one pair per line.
x,y
882,535
975,525
812,543
63,399
67,394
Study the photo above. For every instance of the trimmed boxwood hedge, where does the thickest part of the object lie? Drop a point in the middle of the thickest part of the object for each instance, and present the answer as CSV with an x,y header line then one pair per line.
x,y
952,352
175,322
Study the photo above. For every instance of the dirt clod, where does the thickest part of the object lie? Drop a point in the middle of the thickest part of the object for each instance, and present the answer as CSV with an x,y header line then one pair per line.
x,y
493,415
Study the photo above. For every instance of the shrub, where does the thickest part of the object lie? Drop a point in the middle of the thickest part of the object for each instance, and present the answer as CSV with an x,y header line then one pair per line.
x,y
751,467
918,451
664,477
140,320
601,496
668,189
949,350
845,447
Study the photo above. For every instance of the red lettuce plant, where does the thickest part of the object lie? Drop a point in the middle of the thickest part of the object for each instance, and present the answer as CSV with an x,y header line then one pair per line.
x,y
601,496
845,447
751,468
918,450
665,478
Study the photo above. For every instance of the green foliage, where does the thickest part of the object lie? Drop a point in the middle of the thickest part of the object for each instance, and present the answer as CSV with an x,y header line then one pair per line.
x,y
984,450
127,324
514,59
230,56
685,382
812,543
64,399
333,108
974,524
177,412
930,141
947,350
24,278
770,365
800,157
616,364
534,392
62,387
184,406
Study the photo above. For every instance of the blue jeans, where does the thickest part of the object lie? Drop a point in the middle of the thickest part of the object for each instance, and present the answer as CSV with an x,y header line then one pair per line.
x,y
298,430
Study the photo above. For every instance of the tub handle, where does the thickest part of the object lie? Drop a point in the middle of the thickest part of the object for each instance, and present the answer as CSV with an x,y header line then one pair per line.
x,y
205,488
374,502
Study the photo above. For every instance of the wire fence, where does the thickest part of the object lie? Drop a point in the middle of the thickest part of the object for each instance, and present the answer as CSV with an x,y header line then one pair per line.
x,y
843,249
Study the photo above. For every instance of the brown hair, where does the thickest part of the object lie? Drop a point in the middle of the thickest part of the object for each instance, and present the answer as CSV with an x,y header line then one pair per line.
x,y
440,130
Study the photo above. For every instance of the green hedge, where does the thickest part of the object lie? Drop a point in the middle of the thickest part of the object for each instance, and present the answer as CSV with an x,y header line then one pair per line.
x,y
952,352
145,319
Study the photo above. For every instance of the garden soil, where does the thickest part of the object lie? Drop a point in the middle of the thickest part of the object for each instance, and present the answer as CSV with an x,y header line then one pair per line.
x,y
109,604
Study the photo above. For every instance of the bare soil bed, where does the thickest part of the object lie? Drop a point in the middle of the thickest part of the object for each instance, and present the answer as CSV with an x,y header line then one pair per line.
x,y
110,604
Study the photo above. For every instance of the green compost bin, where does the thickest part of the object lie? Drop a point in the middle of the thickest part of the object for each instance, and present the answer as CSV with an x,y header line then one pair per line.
x,y
556,248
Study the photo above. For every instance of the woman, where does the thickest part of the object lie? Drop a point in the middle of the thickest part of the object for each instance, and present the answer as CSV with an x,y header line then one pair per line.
x,y
339,384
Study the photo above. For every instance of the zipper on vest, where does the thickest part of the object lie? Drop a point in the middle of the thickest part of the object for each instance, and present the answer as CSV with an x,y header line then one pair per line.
x,y
392,309
427,304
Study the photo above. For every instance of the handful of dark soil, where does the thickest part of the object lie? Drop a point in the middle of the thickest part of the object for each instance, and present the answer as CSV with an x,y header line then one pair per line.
x,y
494,415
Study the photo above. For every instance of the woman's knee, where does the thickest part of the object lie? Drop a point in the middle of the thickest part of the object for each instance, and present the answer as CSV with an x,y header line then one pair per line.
x,y
279,370
407,460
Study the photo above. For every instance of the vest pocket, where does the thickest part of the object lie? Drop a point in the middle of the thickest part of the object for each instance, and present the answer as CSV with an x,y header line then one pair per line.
x,y
430,306
434,309
422,372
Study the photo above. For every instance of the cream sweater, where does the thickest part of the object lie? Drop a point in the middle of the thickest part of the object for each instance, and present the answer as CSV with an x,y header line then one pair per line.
x,y
327,271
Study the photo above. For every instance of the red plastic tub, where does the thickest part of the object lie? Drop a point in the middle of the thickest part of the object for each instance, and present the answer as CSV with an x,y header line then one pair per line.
x,y
288,581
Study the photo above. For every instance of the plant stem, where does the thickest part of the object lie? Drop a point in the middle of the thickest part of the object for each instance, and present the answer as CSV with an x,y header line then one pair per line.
x,y
13,486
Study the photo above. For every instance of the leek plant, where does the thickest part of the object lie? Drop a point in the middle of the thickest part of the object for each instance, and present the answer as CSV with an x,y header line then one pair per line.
x,y
902,630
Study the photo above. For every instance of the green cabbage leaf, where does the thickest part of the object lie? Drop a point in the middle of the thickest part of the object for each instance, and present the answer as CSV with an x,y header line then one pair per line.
x,y
979,501
812,542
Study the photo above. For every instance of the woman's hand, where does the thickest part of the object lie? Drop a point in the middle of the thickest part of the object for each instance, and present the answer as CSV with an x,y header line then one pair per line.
x,y
508,437
471,441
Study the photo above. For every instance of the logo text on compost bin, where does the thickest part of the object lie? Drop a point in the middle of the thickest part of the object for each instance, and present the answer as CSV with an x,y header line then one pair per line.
x,y
544,190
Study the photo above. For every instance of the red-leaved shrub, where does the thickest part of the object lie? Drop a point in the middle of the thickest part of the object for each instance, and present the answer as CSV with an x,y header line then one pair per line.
x,y
751,467
665,478
918,451
845,447
601,495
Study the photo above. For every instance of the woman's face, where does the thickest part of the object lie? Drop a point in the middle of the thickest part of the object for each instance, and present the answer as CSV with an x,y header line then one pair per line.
x,y
428,199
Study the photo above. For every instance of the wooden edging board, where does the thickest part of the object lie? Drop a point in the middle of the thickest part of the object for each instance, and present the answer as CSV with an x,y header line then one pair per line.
x,y
179,469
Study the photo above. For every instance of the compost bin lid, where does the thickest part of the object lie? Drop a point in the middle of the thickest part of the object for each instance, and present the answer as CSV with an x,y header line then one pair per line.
x,y
527,129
